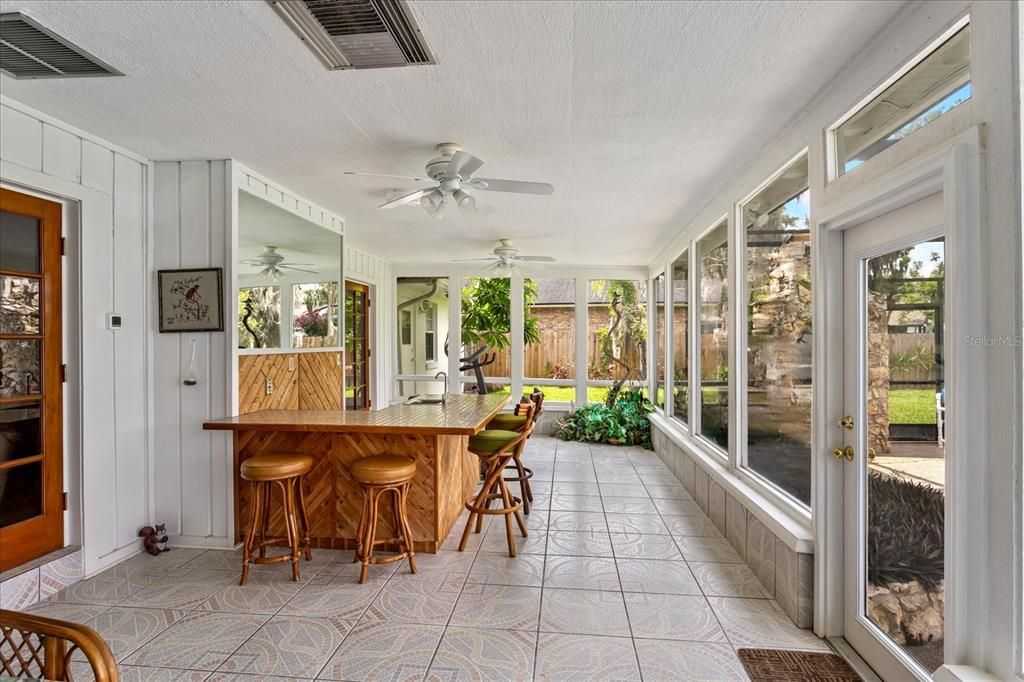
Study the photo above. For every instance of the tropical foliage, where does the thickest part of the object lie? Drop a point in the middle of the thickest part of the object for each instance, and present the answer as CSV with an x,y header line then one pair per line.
x,y
905,532
487,312
622,346
624,423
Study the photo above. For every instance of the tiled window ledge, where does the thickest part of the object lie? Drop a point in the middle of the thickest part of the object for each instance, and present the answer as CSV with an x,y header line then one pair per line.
x,y
795,533
39,579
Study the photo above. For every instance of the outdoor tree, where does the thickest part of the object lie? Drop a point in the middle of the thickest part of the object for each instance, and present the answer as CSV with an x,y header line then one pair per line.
x,y
623,344
487,312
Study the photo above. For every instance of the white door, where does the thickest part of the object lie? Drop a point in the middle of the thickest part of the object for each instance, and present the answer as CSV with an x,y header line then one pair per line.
x,y
894,501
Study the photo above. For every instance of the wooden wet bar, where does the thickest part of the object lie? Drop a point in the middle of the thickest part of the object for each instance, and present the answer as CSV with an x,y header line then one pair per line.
x,y
434,435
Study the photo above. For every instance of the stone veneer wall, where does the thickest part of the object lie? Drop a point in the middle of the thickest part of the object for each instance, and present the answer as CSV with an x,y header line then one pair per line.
x,y
787,575
23,586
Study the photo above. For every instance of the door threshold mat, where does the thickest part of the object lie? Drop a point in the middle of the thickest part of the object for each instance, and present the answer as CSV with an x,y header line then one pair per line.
x,y
771,665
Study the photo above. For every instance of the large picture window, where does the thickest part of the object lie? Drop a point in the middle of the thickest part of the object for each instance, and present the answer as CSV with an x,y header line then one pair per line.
x,y
259,317
713,261
616,337
486,329
315,315
422,306
779,341
679,339
549,332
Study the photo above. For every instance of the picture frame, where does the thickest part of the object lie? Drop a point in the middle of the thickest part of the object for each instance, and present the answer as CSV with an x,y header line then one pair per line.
x,y
191,300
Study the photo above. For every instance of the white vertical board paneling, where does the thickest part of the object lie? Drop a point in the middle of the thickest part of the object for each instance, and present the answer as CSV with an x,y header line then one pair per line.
x,y
218,357
107,220
129,346
376,272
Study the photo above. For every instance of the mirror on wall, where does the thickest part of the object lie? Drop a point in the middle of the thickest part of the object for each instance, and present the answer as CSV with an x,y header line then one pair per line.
x,y
289,279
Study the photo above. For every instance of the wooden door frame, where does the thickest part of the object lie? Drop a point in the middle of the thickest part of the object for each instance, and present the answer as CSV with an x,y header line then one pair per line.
x,y
355,285
34,537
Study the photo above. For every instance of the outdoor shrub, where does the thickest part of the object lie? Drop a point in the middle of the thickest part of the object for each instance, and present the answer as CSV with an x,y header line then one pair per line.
x,y
624,424
905,532
312,323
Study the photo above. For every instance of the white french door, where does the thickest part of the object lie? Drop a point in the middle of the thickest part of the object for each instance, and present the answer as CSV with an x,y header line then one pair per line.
x,y
890,442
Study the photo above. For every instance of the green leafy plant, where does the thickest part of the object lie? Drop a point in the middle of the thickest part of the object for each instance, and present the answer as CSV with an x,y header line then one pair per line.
x,y
623,345
624,423
487,312
905,532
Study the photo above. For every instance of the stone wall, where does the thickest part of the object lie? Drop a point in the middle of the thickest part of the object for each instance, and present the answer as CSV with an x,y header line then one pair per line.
x,y
878,373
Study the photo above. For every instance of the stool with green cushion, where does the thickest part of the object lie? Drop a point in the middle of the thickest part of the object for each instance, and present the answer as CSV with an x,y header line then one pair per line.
x,y
508,422
517,421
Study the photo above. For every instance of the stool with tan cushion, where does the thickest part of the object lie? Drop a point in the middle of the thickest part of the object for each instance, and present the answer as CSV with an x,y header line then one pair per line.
x,y
285,470
377,475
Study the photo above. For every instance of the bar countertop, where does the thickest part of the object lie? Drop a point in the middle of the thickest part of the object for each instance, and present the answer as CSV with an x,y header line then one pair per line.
x,y
463,415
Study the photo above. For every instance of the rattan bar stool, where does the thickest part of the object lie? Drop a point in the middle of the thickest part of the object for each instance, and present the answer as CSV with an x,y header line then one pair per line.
x,y
496,448
517,421
285,470
377,475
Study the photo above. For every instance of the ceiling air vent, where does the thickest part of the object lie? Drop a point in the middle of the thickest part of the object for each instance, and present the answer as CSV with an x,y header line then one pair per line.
x,y
28,50
357,34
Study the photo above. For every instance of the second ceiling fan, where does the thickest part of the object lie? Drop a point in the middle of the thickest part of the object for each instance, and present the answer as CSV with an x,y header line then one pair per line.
x,y
452,171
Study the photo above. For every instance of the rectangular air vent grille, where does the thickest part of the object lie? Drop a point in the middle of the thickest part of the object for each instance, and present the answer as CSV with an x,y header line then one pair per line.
x,y
357,34
28,50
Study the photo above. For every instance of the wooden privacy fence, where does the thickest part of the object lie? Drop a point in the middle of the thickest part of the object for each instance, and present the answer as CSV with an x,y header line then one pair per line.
x,y
920,346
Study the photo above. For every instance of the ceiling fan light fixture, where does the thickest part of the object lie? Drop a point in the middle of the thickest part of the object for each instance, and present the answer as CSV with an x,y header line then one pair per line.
x,y
466,202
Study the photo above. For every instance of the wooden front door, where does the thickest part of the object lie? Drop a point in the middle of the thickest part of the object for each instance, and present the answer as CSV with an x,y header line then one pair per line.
x,y
357,347
31,379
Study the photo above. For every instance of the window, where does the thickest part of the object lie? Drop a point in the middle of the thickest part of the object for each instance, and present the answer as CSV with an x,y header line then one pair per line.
x,y
259,317
936,84
658,340
430,332
679,339
406,328
616,336
713,261
549,332
315,315
486,331
779,342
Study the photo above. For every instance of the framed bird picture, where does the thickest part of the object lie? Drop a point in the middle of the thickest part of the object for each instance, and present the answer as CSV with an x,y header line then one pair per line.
x,y
191,300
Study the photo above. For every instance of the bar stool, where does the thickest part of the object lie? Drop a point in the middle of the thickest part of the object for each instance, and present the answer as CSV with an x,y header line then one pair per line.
x,y
377,475
517,421
286,471
496,448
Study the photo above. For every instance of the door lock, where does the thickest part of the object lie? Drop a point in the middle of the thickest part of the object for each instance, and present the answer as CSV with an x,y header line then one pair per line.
x,y
840,453
847,423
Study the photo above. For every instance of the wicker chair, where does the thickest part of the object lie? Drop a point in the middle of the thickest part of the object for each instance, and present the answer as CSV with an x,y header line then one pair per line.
x,y
41,648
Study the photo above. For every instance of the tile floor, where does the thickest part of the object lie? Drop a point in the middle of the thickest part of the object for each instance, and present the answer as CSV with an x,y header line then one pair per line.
x,y
621,578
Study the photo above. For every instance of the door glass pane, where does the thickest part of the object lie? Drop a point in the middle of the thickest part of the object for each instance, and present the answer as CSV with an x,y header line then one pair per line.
x,y
21,493
19,368
19,305
20,429
19,235
906,417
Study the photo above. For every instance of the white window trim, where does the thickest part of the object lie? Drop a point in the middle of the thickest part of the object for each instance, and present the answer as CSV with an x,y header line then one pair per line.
x,y
696,397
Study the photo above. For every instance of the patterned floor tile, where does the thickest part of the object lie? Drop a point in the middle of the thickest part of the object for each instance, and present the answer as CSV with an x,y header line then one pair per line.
x,y
576,543
629,505
241,677
577,521
76,613
501,569
636,523
384,651
134,673
665,493
429,602
708,549
584,658
583,503
170,559
656,576
294,646
761,623
584,612
574,488
263,593
126,629
645,546
691,526
673,616
585,573
677,507
443,565
109,588
623,490
494,655
690,661
201,640
183,591
333,597
495,542
728,580
505,607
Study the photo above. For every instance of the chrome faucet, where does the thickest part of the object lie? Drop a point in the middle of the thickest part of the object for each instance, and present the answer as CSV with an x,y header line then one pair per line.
x,y
443,376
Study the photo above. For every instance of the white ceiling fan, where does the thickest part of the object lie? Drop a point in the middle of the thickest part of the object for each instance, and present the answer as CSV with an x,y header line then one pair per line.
x,y
271,263
452,172
505,258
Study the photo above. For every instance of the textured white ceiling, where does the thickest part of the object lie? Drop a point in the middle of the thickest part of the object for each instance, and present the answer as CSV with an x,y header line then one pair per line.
x,y
636,112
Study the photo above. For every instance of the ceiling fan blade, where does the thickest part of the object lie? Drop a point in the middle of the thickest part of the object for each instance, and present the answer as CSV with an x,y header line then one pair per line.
x,y
291,267
463,165
384,175
473,260
407,198
537,259
518,186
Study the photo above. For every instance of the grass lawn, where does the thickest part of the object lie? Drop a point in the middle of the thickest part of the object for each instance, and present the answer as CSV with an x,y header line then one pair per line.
x,y
912,406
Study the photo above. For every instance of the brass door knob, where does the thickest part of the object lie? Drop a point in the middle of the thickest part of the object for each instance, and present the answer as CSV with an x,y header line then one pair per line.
x,y
840,453
847,423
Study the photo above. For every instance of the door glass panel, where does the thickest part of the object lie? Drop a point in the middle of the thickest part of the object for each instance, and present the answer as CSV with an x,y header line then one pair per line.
x,y
906,417
20,236
21,493
19,305
20,429
19,368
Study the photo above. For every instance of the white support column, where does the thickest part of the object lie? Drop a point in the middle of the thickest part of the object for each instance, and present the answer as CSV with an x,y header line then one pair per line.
x,y
517,319
454,331
582,338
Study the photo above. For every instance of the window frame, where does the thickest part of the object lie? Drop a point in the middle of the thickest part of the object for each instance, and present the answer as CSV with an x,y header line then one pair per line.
x,y
695,333
430,332
652,328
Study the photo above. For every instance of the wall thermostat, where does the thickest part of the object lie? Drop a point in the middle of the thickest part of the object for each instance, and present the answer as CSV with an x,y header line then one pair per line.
x,y
113,321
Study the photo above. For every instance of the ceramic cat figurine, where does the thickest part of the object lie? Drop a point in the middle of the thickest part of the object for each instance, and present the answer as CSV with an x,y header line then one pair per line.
x,y
154,539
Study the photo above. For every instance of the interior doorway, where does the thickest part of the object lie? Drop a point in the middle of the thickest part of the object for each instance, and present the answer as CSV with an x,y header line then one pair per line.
x,y
31,379
357,346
